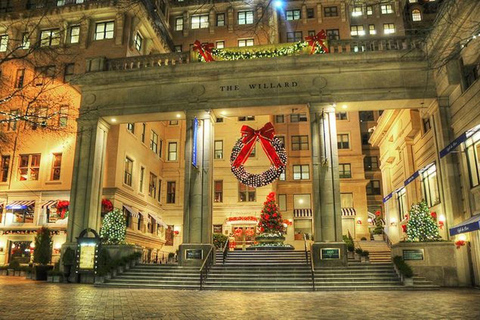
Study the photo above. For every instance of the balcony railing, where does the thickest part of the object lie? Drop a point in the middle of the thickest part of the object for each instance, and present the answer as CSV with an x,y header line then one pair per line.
x,y
352,46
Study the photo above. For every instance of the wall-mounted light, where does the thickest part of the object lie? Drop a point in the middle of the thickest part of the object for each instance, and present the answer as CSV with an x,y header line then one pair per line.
x,y
359,221
393,221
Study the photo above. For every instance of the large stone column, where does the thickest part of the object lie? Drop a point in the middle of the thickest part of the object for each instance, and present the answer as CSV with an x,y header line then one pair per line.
x,y
197,211
326,188
88,168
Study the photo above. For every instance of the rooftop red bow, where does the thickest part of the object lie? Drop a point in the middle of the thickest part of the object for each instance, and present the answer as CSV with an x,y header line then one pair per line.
x,y
318,39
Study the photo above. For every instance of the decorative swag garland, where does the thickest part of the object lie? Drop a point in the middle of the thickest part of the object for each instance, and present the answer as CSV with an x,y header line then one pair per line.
x,y
207,52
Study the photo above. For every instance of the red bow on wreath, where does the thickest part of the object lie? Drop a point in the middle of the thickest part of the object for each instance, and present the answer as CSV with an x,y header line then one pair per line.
x,y
204,49
319,40
250,136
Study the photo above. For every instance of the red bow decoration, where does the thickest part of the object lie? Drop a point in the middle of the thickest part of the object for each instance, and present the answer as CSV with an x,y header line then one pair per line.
x,y
204,49
404,228
441,224
250,136
319,40
62,206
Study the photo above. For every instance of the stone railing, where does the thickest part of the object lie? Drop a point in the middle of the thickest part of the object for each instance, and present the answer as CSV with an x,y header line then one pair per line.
x,y
150,61
335,46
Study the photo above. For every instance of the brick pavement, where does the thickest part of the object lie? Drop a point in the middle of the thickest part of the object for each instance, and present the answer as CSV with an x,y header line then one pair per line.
x,y
26,299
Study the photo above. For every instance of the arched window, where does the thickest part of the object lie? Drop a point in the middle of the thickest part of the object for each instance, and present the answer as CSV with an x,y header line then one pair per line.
x,y
416,15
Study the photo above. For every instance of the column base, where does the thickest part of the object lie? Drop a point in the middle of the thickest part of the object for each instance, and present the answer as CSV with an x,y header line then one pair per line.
x,y
329,254
193,254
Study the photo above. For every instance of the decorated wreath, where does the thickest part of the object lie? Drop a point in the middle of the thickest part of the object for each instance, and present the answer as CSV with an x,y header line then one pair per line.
x,y
273,148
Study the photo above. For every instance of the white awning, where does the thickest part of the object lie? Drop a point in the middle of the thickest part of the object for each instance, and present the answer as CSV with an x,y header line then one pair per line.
x,y
20,204
49,204
130,210
348,212
302,213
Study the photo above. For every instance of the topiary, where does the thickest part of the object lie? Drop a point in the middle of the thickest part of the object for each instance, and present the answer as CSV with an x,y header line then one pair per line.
x,y
218,240
43,247
114,228
358,251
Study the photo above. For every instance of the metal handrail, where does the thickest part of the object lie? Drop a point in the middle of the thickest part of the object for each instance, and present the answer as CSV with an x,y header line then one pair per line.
x,y
225,250
206,267
309,261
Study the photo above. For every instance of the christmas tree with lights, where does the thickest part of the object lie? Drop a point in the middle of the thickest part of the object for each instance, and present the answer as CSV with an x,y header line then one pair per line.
x,y
114,228
271,219
421,226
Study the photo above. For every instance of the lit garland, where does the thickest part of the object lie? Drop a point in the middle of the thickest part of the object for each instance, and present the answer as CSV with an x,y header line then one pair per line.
x,y
114,228
421,226
230,54
264,178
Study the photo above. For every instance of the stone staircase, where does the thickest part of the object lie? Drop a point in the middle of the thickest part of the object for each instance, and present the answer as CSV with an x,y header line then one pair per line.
x,y
358,276
157,276
276,270
379,251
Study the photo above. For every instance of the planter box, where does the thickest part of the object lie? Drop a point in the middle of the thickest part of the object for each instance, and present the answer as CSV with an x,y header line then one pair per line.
x,y
11,272
3,272
40,272
28,275
17,273
439,262
57,279
119,269
351,255
127,266
49,278
114,273
132,263
23,273
365,259
108,276
408,282
378,237
99,279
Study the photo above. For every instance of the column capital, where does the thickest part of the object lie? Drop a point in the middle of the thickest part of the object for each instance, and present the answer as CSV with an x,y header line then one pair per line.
x,y
321,108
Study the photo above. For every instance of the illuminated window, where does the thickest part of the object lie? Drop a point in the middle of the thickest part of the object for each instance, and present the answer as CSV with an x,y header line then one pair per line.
x,y
357,31
25,40
246,193
341,116
430,191
293,14
56,167
245,17
3,43
402,204
104,30
388,28
138,41
245,43
172,151
218,149
369,10
50,38
357,11
220,44
179,24
131,127
200,21
416,15
371,29
386,8
301,172
74,34
29,167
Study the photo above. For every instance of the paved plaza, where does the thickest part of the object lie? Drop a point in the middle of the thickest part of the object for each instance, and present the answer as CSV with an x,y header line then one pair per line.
x,y
26,299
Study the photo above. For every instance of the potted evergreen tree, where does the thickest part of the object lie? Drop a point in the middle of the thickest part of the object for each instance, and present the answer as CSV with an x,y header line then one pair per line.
x,y
42,255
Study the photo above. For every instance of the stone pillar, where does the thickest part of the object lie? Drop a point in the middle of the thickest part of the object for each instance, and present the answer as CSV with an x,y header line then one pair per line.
x,y
198,191
88,170
326,188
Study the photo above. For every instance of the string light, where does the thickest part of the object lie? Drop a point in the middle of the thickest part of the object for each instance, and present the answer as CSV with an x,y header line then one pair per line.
x,y
264,178
421,225
114,228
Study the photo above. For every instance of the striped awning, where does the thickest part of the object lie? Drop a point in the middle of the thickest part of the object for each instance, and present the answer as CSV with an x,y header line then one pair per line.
x,y
49,204
348,212
374,217
21,204
130,210
302,213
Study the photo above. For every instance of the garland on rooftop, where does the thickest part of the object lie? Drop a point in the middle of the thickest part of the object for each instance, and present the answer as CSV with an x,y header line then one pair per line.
x,y
207,52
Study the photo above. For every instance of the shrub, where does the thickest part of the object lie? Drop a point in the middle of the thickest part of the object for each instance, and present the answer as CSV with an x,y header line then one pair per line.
x,y
358,251
171,255
365,253
218,240
403,267
350,247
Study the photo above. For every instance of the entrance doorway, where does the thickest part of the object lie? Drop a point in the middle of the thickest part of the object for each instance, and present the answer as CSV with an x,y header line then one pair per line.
x,y
20,251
